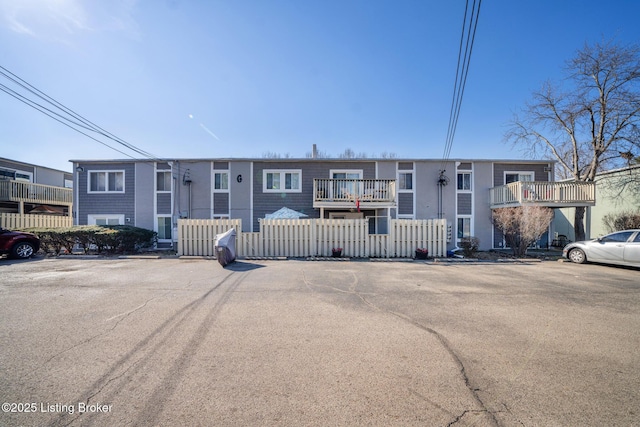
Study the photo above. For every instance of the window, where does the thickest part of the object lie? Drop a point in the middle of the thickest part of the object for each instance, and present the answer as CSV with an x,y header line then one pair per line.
x,y
622,236
510,177
464,227
282,181
105,219
163,181
464,181
405,180
221,181
164,227
106,182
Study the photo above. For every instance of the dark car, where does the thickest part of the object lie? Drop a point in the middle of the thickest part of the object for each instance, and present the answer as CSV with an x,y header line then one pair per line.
x,y
18,244
621,247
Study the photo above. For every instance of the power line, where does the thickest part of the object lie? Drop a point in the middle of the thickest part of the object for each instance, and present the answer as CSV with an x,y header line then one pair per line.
x,y
68,117
462,71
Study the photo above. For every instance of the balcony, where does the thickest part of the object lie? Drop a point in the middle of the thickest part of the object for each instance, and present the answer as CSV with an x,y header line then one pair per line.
x,y
38,194
352,193
549,194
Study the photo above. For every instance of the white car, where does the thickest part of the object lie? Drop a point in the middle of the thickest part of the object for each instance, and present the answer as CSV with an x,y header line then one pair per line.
x,y
621,247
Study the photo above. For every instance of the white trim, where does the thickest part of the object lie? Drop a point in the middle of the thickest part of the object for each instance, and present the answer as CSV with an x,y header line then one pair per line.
x,y
504,175
405,190
465,172
471,216
346,172
157,226
155,177
471,227
91,218
251,181
282,179
213,180
89,172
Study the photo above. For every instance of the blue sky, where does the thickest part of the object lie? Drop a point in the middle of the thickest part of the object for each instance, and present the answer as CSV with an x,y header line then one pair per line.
x,y
238,78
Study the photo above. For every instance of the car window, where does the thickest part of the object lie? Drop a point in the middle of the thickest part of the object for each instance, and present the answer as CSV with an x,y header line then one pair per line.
x,y
637,239
622,236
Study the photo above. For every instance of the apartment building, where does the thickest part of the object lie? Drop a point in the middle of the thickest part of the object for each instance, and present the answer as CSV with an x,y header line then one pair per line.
x,y
155,194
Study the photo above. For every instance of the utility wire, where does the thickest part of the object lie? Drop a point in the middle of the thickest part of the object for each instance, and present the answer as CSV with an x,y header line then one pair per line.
x,y
461,75
76,118
37,107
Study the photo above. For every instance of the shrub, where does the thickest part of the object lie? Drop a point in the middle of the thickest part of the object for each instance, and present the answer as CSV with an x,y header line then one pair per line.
x,y
522,225
112,238
130,239
469,246
621,221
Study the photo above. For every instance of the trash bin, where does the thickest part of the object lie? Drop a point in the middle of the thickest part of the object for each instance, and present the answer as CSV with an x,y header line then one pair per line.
x,y
225,247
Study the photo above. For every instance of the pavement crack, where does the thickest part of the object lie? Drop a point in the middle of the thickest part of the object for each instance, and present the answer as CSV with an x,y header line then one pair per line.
x,y
441,339
465,412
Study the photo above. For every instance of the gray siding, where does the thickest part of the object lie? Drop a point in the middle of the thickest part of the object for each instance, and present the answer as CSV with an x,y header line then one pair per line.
x,y
405,203
240,193
483,229
500,168
386,170
464,204
145,187
110,203
164,203
264,203
426,190
220,203
198,193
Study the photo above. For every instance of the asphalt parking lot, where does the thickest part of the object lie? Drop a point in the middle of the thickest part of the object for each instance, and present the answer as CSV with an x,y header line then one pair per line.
x,y
282,343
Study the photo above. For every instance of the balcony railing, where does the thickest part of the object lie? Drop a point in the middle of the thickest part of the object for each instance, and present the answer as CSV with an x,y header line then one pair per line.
x,y
542,193
349,192
26,192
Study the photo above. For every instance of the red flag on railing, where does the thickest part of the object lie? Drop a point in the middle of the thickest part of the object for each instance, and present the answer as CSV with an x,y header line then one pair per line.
x,y
358,204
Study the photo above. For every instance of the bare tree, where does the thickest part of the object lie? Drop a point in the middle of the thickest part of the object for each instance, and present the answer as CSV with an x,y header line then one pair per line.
x,y
522,225
388,155
274,155
348,153
589,124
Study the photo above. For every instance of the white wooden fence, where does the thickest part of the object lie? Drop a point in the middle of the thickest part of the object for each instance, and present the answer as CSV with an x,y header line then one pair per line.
x,y
14,221
315,237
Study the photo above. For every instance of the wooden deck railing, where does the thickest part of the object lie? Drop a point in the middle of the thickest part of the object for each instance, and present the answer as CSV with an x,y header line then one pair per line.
x,y
543,193
18,191
351,190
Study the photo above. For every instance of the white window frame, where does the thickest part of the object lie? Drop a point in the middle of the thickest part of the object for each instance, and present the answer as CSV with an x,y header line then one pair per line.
x,y
164,171
213,183
92,218
463,217
465,190
90,174
157,226
332,172
532,174
406,190
282,179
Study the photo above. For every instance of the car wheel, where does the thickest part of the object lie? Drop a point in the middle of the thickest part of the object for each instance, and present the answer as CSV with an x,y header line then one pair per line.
x,y
577,256
22,250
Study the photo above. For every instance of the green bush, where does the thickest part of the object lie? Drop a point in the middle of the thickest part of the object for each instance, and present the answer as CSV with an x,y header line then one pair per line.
x,y
107,238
